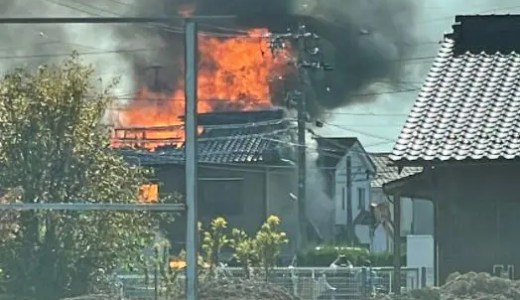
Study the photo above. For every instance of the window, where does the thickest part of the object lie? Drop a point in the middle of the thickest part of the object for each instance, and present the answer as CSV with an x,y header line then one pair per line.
x,y
361,199
149,193
343,200
220,197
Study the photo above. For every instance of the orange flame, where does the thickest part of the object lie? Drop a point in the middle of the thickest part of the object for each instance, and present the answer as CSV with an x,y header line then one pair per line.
x,y
234,74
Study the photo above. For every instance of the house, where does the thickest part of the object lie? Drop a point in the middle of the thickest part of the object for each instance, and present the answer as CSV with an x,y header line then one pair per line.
x,y
416,213
245,172
464,131
348,171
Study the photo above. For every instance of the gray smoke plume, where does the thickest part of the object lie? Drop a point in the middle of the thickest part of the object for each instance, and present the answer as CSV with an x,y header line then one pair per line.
x,y
363,40
31,45
320,206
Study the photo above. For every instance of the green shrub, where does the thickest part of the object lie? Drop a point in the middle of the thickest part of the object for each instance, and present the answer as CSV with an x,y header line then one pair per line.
x,y
323,256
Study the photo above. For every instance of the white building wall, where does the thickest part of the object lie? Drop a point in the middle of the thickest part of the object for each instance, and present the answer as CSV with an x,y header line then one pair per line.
x,y
381,242
363,234
416,218
360,180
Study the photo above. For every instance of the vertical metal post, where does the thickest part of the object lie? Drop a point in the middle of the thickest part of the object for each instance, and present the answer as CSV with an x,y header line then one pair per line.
x,y
350,225
397,244
302,112
156,275
191,158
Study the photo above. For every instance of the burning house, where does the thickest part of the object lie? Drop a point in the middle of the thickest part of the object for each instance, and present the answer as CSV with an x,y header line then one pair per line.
x,y
245,144
246,171
246,163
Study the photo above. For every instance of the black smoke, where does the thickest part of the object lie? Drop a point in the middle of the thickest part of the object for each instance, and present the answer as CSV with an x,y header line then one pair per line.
x,y
365,41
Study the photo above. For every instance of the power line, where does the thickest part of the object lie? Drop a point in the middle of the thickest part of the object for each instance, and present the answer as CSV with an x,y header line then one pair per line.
x,y
94,206
110,20
367,114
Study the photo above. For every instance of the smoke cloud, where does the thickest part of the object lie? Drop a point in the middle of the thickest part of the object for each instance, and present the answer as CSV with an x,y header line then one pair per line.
x,y
320,206
363,40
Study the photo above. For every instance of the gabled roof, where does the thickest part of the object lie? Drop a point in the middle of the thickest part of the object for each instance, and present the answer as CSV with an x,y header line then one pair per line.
x,y
333,149
231,137
387,170
469,106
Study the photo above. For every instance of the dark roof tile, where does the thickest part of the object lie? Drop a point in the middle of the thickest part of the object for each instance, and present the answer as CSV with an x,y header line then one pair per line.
x,y
387,171
241,141
469,105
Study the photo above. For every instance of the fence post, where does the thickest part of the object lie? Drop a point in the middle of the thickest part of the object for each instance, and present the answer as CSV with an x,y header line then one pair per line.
x,y
363,282
423,277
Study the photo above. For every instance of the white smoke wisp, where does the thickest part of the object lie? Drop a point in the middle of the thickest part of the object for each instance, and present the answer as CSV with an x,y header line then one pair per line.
x,y
320,207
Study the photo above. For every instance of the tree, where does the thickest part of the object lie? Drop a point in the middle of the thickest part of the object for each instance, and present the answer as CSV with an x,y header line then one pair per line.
x,y
214,240
8,219
54,148
244,250
268,242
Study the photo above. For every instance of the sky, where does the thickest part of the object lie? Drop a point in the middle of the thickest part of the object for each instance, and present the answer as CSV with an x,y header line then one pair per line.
x,y
377,124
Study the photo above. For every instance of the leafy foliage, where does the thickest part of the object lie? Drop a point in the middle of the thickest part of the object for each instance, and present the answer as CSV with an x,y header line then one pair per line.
x,y
214,240
54,149
244,247
269,240
8,219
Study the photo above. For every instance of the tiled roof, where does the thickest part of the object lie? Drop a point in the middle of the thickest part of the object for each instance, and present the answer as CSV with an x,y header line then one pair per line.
x,y
387,171
231,138
469,106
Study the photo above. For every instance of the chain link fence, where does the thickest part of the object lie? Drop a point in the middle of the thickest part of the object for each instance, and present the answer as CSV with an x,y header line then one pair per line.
x,y
305,283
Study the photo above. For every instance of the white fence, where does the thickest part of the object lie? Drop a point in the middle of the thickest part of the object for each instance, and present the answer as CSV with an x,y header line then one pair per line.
x,y
305,283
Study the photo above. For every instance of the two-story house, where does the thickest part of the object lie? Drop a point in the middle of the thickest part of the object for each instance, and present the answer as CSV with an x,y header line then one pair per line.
x,y
348,170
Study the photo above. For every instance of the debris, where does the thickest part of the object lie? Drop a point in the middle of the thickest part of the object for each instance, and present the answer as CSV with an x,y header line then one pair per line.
x,y
468,286
242,290
92,297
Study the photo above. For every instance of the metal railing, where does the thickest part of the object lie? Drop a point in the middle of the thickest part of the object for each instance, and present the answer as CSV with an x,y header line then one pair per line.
x,y
305,283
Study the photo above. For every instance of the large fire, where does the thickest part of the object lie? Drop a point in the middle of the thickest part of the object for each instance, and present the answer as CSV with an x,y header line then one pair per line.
x,y
234,74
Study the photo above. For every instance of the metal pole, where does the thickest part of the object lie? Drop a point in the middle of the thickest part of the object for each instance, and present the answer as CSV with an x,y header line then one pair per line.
x,y
350,225
397,244
301,107
191,158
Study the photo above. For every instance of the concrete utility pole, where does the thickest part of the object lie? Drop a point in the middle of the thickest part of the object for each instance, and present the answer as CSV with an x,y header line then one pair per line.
x,y
308,58
302,119
191,158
